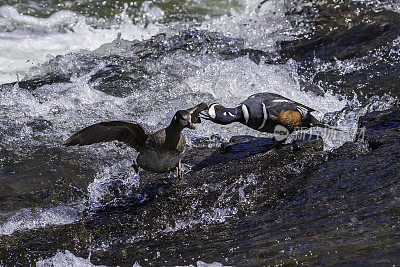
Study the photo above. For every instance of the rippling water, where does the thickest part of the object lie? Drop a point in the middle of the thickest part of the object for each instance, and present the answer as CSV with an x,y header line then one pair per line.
x,y
82,39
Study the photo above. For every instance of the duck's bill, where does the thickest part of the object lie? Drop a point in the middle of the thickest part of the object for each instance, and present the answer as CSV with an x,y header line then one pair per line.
x,y
204,115
195,112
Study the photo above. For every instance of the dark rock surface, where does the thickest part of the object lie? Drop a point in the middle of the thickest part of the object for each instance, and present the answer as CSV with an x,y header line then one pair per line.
x,y
342,32
375,79
282,206
351,48
355,42
58,176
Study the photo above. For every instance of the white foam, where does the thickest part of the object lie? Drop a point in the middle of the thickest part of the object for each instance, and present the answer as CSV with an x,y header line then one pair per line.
x,y
34,39
33,218
59,103
203,264
66,259
152,12
9,16
260,27
100,190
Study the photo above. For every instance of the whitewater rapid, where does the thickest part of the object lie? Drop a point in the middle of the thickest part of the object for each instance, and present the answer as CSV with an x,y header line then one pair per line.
x,y
28,43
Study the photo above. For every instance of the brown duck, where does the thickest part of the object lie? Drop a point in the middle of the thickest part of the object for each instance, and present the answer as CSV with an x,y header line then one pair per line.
x,y
158,152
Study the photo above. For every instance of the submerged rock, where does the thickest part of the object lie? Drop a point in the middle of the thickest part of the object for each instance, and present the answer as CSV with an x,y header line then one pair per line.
x,y
277,206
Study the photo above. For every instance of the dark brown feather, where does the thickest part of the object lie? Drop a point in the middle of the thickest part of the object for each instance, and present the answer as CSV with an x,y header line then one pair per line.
x,y
195,111
128,132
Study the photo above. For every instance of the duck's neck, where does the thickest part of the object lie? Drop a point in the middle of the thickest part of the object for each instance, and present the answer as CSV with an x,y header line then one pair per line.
x,y
232,115
173,135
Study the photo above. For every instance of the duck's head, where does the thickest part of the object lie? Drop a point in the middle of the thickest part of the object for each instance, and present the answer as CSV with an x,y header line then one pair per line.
x,y
183,119
219,114
186,117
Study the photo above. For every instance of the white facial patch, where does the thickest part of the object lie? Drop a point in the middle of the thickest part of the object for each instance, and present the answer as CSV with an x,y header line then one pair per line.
x,y
224,113
265,116
230,114
211,111
245,113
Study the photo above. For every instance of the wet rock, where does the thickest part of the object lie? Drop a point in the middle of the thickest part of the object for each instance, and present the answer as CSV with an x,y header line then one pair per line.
x,y
237,148
374,79
58,176
279,206
380,128
323,17
350,48
355,42
218,187
37,82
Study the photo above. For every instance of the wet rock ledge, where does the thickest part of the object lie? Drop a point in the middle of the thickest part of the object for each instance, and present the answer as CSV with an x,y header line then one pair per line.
x,y
347,33
281,205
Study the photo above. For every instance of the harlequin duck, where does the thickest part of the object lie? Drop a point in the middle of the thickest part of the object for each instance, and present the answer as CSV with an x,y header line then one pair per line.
x,y
265,112
158,152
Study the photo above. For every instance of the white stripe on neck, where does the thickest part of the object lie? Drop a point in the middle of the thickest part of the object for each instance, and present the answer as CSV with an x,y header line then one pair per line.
x,y
303,111
265,116
245,113
211,111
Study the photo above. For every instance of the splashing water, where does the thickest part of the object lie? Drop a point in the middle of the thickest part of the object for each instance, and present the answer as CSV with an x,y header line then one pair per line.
x,y
28,41
36,218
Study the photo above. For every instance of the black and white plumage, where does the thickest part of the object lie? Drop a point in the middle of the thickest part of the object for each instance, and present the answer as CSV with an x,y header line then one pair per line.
x,y
158,152
263,112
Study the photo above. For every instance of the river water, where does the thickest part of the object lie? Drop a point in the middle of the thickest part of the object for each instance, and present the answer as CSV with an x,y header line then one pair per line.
x,y
91,50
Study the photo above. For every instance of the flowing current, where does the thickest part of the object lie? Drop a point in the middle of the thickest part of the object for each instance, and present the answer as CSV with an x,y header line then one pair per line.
x,y
81,42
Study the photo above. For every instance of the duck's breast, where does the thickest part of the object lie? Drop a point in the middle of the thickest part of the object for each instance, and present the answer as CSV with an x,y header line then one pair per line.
x,y
158,160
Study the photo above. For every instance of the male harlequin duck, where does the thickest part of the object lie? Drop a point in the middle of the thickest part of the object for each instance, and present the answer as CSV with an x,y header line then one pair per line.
x,y
265,112
158,152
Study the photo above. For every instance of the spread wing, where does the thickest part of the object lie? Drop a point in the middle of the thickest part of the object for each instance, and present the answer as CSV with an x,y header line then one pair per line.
x,y
128,132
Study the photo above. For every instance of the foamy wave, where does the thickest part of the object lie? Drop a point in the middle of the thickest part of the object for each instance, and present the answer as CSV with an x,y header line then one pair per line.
x,y
36,218
67,259
11,19
152,13
203,264
113,183
23,48
260,27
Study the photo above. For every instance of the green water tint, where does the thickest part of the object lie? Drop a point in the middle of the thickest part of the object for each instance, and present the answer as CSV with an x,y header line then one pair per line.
x,y
174,10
